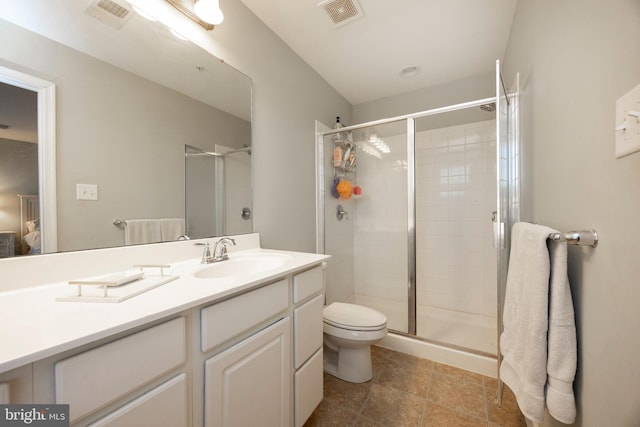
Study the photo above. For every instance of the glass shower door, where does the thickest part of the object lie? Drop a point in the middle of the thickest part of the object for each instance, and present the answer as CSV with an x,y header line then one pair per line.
x,y
455,196
369,244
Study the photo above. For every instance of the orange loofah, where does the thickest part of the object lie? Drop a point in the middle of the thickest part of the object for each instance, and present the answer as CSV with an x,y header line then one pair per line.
x,y
345,189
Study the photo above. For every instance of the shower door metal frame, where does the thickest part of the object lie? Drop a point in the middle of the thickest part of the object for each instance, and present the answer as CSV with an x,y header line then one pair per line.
x,y
508,177
411,196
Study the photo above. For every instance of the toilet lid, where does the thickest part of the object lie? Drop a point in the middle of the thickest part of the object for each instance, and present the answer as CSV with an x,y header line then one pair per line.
x,y
352,316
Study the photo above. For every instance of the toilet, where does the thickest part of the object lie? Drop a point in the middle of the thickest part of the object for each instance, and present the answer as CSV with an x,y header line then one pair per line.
x,y
349,332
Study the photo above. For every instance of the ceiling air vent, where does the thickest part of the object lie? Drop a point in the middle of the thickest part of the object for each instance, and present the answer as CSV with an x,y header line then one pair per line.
x,y
342,11
112,13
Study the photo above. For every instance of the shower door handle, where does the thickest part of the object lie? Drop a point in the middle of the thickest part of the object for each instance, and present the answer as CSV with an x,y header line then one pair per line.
x,y
498,231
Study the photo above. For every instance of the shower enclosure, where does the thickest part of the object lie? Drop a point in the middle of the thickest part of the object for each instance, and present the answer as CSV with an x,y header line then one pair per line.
x,y
217,191
415,211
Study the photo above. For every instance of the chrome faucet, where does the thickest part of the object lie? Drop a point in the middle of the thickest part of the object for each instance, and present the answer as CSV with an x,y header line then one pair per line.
x,y
208,257
223,250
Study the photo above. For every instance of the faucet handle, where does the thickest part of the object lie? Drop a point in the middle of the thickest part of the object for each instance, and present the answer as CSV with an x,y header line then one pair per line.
x,y
206,253
223,250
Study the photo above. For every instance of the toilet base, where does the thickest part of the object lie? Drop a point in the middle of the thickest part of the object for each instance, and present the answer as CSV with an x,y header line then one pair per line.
x,y
348,364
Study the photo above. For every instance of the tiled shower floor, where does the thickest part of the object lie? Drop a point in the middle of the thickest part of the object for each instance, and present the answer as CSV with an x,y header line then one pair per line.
x,y
409,391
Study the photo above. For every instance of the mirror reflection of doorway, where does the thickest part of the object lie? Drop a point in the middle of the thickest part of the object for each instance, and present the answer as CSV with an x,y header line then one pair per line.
x,y
19,189
28,206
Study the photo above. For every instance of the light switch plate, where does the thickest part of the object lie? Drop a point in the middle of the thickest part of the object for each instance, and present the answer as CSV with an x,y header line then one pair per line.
x,y
86,192
628,123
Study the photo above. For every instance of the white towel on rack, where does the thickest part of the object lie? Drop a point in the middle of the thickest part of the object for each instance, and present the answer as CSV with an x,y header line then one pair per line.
x,y
139,231
171,228
539,338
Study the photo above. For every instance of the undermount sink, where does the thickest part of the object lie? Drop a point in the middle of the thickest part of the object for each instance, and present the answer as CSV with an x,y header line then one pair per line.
x,y
242,265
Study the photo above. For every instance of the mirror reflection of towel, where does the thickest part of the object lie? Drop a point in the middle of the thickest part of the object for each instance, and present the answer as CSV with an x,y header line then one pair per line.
x,y
139,231
33,240
171,228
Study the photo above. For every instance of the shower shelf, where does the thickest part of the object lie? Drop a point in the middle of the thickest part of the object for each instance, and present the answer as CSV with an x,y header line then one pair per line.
x,y
348,169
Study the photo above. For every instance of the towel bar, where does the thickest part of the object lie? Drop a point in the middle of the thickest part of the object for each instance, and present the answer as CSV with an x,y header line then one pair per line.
x,y
119,222
580,237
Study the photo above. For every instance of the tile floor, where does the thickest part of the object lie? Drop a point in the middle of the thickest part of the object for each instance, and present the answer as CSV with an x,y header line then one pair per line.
x,y
409,391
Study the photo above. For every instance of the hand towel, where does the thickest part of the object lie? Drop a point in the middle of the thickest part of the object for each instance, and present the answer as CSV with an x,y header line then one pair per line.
x,y
139,231
171,228
539,341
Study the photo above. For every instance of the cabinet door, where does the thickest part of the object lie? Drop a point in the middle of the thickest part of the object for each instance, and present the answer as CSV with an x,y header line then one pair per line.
x,y
250,383
164,406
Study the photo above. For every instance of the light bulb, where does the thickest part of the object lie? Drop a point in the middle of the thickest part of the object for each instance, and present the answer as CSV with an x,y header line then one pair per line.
x,y
209,11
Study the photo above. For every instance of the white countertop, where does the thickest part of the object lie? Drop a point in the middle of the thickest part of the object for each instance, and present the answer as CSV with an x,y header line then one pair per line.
x,y
36,326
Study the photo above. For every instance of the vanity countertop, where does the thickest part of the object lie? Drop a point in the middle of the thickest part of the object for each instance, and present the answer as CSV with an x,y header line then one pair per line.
x,y
35,325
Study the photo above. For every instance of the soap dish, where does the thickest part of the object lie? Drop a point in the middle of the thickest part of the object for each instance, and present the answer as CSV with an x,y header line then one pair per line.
x,y
117,279
117,287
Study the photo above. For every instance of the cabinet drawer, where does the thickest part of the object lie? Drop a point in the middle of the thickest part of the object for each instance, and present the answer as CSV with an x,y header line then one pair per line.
x,y
164,406
308,388
225,320
307,326
97,377
307,283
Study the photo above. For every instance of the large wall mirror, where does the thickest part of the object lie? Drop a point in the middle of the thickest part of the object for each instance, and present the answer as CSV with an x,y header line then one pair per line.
x,y
128,99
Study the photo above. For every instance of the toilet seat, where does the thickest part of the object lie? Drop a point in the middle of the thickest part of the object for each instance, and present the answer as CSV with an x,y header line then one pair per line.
x,y
354,317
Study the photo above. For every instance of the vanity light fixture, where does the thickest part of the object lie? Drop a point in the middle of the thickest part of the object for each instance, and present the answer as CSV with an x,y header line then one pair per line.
x,y
188,9
209,11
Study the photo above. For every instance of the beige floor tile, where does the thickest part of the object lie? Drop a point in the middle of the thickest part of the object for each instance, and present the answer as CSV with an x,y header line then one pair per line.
x,y
410,391
440,416
458,374
410,360
412,378
380,352
329,414
351,396
458,395
368,422
508,415
388,405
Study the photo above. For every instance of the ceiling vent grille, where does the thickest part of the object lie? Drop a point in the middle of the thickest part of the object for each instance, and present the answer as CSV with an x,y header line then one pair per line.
x,y
110,12
342,11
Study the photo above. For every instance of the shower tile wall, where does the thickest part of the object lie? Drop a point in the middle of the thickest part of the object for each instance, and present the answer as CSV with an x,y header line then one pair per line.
x,y
456,263
338,237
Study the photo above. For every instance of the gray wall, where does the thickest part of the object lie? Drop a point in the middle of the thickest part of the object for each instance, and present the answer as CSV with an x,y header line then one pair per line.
x,y
575,59
288,96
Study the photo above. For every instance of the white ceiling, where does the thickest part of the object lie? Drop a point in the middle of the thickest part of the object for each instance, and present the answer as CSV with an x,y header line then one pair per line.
x,y
362,59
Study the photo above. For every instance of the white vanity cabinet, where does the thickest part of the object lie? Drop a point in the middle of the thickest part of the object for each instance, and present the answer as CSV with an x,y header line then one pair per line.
x,y
139,379
248,356
271,373
249,382
308,300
